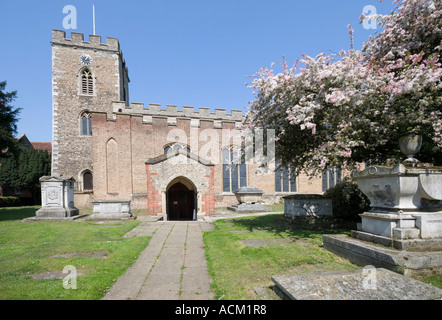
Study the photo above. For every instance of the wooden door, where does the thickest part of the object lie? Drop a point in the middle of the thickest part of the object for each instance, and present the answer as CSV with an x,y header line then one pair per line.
x,y
180,203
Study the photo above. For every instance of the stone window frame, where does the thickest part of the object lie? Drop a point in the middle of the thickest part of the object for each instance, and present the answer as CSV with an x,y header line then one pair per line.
x,y
81,182
90,84
174,146
236,174
285,179
85,114
331,177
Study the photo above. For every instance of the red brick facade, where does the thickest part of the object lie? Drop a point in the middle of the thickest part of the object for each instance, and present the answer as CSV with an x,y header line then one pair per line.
x,y
153,196
209,197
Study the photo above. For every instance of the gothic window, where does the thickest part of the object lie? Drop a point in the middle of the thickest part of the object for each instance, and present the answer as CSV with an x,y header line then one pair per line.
x,y
86,124
330,178
88,184
285,179
234,169
87,82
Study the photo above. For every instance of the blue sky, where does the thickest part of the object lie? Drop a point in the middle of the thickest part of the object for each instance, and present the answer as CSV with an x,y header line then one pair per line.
x,y
179,52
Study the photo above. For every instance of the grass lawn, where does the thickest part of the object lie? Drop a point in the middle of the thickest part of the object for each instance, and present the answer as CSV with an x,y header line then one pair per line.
x,y
238,267
27,251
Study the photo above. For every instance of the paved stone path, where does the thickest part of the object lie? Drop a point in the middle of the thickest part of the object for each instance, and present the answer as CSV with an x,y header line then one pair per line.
x,y
172,267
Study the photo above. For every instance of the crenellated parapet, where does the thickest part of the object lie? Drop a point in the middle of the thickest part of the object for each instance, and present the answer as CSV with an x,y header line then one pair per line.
x,y
172,112
77,39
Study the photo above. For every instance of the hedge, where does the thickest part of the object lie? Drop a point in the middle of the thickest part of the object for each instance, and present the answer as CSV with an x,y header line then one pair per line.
x,y
9,202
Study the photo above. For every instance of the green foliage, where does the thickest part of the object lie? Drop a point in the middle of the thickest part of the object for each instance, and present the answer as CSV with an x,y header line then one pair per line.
x,y
8,120
348,200
9,202
23,172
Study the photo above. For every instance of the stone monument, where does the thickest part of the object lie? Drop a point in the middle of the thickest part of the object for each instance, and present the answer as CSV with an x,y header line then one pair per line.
x,y
57,198
111,210
406,206
249,199
405,217
307,205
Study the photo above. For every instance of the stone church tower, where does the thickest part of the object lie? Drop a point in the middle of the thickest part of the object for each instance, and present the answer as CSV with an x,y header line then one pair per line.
x,y
86,77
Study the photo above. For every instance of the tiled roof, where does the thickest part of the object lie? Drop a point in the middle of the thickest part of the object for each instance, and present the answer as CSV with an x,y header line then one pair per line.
x,y
42,146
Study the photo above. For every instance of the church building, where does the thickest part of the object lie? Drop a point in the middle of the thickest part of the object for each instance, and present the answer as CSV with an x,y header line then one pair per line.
x,y
172,161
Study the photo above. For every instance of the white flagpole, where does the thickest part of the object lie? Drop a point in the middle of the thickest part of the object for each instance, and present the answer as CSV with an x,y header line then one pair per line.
x,y
93,13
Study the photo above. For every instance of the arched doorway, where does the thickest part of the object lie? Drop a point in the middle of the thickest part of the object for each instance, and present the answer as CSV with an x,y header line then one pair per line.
x,y
181,201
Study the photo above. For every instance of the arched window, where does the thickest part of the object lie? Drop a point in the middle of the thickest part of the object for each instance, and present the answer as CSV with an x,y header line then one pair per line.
x,y
167,149
234,169
86,124
87,82
88,182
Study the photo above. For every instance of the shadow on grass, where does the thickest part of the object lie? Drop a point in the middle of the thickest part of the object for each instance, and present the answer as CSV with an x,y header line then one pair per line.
x,y
19,213
277,225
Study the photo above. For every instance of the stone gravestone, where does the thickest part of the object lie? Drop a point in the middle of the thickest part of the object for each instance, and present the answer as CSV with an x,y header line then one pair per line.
x,y
57,197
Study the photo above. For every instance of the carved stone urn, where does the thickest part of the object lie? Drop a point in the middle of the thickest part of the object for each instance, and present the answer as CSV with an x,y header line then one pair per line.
x,y
410,145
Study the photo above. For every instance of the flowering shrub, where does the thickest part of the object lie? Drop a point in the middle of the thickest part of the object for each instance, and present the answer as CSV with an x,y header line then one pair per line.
x,y
342,109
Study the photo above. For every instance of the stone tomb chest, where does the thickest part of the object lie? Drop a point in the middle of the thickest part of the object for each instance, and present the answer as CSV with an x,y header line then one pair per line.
x,y
307,205
111,210
249,199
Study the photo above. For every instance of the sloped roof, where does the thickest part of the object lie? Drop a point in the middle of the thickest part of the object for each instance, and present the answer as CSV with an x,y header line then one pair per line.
x,y
46,146
175,153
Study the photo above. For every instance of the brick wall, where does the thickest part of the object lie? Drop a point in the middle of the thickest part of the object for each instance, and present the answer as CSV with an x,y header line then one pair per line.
x,y
208,199
154,203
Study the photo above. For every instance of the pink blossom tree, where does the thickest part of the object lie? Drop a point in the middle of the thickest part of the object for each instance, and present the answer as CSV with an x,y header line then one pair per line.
x,y
342,109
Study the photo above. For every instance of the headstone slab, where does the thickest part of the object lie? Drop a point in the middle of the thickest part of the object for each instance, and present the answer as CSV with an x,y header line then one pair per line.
x,y
111,210
57,198
364,284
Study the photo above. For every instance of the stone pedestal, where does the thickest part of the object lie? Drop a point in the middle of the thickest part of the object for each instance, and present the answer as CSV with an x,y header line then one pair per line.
x,y
111,210
57,195
249,199
406,203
